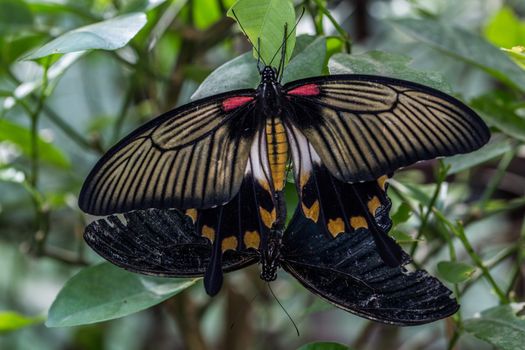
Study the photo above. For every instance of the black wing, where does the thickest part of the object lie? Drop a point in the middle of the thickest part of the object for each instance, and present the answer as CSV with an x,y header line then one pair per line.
x,y
348,272
339,207
193,156
365,126
157,242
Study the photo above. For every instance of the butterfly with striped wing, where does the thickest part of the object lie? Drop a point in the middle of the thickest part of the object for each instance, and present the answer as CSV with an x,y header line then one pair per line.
x,y
337,130
222,161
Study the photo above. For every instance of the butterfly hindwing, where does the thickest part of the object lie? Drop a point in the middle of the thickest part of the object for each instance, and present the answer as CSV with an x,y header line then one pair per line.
x,y
156,242
338,207
365,126
192,157
348,272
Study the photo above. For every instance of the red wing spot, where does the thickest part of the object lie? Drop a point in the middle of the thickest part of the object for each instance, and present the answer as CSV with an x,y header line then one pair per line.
x,y
235,102
305,90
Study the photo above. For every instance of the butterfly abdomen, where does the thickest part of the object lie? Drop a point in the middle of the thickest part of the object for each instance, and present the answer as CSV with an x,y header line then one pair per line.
x,y
277,151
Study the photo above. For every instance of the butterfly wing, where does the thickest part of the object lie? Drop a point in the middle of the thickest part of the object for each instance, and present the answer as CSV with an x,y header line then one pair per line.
x,y
156,242
338,207
192,157
348,272
365,126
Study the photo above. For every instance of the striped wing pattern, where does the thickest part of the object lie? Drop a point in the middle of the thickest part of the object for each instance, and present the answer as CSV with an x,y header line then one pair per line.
x,y
193,156
365,126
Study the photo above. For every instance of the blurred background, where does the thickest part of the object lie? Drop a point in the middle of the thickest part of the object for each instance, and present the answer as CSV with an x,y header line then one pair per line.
x,y
53,130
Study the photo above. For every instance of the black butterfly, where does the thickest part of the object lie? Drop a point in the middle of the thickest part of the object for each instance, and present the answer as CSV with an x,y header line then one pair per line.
x,y
346,270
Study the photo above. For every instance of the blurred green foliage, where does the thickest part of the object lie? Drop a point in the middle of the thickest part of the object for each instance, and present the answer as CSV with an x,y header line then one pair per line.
x,y
77,75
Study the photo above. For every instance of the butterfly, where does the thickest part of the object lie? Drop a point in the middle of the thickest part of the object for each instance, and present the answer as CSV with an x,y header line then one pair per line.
x,y
347,270
337,130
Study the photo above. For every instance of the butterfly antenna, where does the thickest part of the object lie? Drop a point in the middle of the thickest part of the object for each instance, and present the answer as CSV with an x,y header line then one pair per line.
x,y
287,36
257,48
282,307
239,311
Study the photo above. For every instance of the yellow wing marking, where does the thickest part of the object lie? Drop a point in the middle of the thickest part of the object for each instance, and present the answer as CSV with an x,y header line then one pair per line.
x,y
382,181
373,205
192,213
336,226
252,239
312,212
358,222
229,243
268,218
208,232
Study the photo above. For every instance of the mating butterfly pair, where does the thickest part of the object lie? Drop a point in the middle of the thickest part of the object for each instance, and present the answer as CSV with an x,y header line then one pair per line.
x,y
222,162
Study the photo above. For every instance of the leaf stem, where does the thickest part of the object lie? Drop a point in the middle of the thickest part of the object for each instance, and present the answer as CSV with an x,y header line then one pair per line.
x,y
344,35
459,231
441,176
500,173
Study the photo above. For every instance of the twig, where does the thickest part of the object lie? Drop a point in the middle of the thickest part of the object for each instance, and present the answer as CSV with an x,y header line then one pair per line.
x,y
459,231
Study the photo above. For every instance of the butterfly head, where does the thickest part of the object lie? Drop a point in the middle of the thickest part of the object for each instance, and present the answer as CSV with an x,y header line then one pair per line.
x,y
270,259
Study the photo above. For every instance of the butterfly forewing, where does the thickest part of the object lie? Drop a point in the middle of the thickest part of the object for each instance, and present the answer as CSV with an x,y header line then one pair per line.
x,y
365,126
192,157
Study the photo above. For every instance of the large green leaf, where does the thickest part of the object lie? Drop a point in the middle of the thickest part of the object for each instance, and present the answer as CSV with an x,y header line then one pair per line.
x,y
495,148
384,63
104,292
501,326
20,137
499,110
266,20
14,16
308,62
324,346
504,29
107,35
455,272
467,46
12,321
239,73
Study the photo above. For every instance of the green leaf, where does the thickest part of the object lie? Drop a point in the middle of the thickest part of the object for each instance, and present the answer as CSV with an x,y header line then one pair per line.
x,y
14,16
500,326
308,62
455,272
497,146
12,321
517,53
266,20
402,214
239,73
385,63
107,35
504,29
499,110
205,13
467,46
20,137
104,292
324,346
402,237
